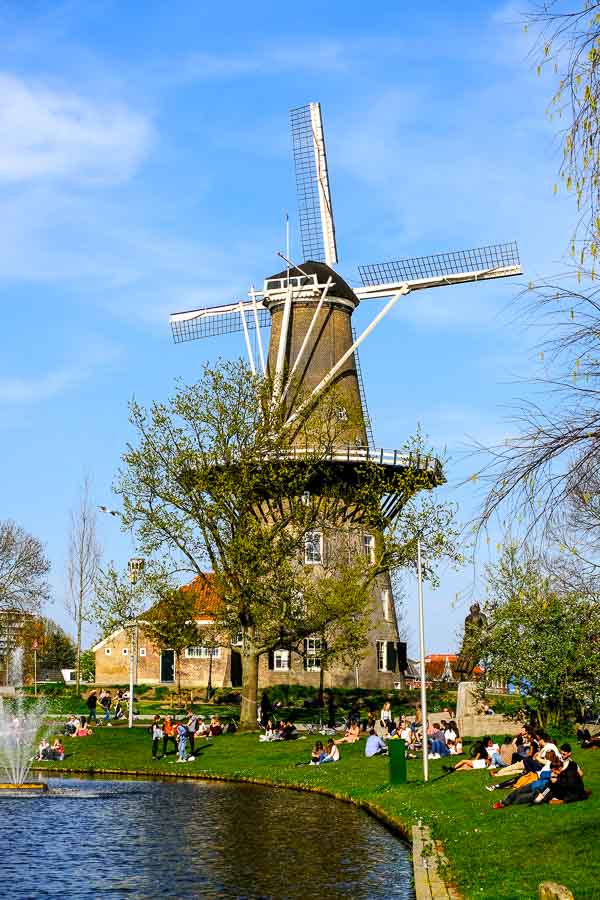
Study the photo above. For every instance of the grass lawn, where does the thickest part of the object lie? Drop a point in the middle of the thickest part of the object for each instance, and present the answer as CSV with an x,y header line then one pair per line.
x,y
493,853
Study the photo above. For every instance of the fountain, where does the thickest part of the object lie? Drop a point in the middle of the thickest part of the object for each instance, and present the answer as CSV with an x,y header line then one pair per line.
x,y
21,725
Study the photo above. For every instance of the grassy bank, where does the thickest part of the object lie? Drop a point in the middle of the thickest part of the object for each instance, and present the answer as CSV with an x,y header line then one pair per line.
x,y
493,854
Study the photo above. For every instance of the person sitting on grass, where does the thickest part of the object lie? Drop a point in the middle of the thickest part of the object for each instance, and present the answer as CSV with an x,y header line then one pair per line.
x,y
215,728
317,754
438,742
287,731
57,750
527,786
203,727
271,733
83,730
351,735
375,745
43,750
504,756
332,754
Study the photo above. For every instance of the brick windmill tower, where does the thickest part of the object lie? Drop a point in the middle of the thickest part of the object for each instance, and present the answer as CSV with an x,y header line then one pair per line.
x,y
313,348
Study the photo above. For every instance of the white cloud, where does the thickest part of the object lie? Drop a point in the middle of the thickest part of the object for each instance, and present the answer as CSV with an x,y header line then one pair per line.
x,y
58,134
19,390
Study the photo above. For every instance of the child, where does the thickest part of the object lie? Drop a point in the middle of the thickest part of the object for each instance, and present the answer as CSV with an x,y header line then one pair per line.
x,y
58,751
157,735
182,736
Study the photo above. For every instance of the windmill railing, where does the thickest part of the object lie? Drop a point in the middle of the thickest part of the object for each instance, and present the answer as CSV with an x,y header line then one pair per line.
x,y
353,454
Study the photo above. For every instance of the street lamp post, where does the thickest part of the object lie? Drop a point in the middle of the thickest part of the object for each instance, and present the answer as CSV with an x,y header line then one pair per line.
x,y
422,664
134,569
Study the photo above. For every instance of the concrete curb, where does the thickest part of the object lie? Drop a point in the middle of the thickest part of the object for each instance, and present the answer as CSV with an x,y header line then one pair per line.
x,y
429,862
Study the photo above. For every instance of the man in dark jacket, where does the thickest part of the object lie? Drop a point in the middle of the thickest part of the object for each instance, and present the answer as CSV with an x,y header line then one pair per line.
x,y
567,786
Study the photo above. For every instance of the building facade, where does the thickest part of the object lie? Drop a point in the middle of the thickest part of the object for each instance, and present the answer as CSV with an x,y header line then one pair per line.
x,y
381,667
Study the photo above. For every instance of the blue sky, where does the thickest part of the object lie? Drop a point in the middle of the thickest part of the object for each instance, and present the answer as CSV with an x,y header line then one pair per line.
x,y
145,167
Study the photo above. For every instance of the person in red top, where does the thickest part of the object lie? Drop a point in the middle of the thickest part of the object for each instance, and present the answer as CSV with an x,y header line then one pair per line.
x,y
169,734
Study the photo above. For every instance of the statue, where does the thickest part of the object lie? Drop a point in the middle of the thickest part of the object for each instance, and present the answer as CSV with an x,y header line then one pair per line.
x,y
467,659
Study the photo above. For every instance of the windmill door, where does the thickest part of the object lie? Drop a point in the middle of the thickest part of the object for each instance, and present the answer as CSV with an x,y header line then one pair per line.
x,y
236,669
167,666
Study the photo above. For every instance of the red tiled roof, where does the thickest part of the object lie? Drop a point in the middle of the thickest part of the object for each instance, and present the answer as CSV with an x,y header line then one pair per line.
x,y
208,602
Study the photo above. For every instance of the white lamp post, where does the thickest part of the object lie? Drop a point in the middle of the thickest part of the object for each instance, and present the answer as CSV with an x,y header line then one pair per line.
x,y
422,663
134,568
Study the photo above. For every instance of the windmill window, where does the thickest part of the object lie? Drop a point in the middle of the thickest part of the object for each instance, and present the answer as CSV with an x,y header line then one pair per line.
x,y
313,547
142,651
386,605
381,656
125,651
107,651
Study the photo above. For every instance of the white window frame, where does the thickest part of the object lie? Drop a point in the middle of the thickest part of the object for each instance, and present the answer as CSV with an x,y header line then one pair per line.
x,y
239,639
368,546
142,651
313,654
202,652
281,660
381,651
107,651
386,604
313,556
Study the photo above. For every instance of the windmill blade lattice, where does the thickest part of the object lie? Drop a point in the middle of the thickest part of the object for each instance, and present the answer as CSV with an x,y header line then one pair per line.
x,y
317,230
478,259
211,322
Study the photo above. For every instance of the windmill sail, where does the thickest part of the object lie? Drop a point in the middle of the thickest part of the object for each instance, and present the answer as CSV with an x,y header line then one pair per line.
x,y
317,230
420,272
216,320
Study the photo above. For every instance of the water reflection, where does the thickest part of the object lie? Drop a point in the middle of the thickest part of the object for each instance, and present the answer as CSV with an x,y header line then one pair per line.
x,y
122,839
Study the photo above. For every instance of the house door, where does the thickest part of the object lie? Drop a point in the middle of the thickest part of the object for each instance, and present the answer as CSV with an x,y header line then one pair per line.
x,y
167,666
236,669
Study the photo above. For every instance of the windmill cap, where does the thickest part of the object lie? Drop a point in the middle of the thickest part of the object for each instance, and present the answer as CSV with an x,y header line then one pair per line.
x,y
339,288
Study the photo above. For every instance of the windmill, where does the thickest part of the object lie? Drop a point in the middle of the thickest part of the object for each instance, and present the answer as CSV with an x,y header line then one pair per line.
x,y
312,345
309,306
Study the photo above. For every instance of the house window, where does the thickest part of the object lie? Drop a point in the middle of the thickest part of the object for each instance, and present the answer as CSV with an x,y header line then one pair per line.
x,y
386,605
142,651
238,640
125,651
313,547
368,547
281,659
107,651
203,652
387,656
312,651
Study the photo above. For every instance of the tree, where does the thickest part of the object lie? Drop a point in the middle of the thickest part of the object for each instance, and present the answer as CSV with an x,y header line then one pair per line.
x,y
215,481
117,601
545,641
87,662
547,474
173,624
82,567
23,570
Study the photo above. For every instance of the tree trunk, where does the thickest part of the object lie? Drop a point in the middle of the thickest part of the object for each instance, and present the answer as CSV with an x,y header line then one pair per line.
x,y
78,658
248,713
178,669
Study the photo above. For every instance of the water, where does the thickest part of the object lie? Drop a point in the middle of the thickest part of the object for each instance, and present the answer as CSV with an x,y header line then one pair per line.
x,y
128,840
21,726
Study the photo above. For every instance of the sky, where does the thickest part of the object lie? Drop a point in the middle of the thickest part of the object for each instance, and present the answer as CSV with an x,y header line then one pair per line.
x,y
145,168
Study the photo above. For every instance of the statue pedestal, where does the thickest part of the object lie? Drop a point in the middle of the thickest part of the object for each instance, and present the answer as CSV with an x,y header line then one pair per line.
x,y
472,723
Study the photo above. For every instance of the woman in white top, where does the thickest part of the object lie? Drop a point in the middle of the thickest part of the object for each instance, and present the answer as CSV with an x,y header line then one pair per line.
x,y
332,754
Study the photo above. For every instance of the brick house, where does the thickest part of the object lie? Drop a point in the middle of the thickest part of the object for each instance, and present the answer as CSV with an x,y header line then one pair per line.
x,y
382,667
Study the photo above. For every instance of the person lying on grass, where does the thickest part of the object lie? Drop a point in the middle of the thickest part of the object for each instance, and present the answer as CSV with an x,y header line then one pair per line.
x,y
351,735
479,759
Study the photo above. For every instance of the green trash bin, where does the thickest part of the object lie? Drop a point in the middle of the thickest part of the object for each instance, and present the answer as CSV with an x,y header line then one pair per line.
x,y
397,751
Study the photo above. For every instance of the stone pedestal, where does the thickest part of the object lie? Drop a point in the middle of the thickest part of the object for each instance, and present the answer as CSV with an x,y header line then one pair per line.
x,y
472,723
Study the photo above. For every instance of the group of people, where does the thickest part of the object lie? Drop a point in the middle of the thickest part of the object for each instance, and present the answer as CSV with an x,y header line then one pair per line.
x,y
531,764
284,730
324,754
76,726
182,735
54,752
108,704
